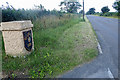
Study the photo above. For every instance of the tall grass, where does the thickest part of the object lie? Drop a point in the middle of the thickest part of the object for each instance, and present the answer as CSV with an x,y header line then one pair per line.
x,y
50,22
60,43
41,62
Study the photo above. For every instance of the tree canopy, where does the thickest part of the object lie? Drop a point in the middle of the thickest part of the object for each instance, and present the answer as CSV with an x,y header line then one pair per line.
x,y
9,13
70,6
81,12
116,5
91,11
105,9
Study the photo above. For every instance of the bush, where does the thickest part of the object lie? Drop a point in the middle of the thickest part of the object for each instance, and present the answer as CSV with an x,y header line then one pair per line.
x,y
101,14
109,14
9,13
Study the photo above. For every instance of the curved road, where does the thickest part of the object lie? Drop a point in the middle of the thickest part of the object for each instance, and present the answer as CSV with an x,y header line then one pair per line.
x,y
106,64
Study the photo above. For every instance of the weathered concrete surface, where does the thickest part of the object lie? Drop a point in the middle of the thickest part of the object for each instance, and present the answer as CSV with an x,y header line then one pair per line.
x,y
16,25
13,37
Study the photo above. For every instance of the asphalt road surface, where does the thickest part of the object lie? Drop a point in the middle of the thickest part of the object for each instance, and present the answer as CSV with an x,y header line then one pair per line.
x,y
106,64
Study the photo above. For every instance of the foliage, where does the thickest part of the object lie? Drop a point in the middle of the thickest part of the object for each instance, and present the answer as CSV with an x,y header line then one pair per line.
x,y
97,13
40,72
9,13
81,12
13,75
116,5
53,46
109,14
54,41
40,62
91,11
105,9
70,6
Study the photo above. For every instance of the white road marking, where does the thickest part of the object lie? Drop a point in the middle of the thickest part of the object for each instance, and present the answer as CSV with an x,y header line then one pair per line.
x,y
110,73
99,48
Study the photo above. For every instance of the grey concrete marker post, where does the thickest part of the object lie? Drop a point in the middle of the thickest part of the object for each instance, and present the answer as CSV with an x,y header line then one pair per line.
x,y
18,37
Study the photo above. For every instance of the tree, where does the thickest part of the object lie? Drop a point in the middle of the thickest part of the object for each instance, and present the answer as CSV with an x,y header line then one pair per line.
x,y
116,5
105,9
81,12
70,6
91,11
40,7
9,13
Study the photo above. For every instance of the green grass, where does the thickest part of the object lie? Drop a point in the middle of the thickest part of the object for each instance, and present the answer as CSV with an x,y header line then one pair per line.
x,y
92,29
60,45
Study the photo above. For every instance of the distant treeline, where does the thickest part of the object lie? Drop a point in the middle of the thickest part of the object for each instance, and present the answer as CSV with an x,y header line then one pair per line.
x,y
105,10
9,13
108,14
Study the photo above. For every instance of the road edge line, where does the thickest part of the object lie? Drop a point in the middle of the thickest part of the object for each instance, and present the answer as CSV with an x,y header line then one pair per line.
x,y
110,73
98,44
99,48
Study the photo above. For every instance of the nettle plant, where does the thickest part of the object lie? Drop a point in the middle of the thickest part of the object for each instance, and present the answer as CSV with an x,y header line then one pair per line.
x,y
43,68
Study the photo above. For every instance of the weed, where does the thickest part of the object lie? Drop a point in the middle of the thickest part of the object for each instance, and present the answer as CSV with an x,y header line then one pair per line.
x,y
58,47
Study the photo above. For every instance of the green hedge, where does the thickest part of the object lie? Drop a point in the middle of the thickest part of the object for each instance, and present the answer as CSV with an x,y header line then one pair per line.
x,y
109,14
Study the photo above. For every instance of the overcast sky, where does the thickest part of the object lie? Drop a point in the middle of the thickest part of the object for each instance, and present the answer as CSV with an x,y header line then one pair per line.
x,y
51,4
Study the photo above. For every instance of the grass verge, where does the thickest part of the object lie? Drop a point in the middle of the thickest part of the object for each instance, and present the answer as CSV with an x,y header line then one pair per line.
x,y
60,45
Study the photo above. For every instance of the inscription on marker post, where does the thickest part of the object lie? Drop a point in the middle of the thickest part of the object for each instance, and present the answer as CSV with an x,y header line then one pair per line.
x,y
27,40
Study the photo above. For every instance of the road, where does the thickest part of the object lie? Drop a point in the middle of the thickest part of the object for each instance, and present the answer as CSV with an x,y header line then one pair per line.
x,y
106,64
